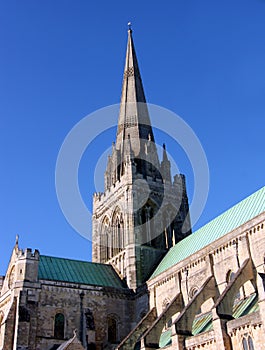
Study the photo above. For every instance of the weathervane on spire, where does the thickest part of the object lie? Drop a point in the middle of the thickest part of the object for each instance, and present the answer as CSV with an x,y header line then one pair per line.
x,y
129,25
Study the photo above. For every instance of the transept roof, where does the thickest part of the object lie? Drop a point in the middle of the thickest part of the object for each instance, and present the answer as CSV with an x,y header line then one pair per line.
x,y
75,271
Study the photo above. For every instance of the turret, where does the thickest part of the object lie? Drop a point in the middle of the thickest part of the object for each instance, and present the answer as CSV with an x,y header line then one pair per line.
x,y
165,166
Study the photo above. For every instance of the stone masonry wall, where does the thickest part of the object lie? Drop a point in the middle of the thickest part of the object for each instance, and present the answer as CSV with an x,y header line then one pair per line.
x,y
223,257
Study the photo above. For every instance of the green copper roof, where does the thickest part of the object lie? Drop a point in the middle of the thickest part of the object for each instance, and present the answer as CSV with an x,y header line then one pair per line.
x,y
246,306
222,224
202,323
81,272
165,339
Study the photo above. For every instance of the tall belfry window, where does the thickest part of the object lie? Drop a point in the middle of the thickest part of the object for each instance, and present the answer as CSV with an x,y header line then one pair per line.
x,y
147,222
117,233
105,239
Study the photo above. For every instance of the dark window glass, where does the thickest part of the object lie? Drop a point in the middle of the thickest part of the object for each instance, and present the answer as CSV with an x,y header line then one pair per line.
x,y
90,324
24,315
112,330
245,345
250,343
59,326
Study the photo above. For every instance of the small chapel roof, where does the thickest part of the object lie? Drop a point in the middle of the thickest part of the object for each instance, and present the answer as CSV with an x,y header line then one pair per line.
x,y
75,271
234,217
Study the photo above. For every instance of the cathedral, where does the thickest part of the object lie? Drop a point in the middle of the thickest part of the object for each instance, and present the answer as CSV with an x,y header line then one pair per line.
x,y
153,283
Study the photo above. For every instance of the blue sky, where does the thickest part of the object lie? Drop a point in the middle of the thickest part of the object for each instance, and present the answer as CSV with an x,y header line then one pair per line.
x,y
62,60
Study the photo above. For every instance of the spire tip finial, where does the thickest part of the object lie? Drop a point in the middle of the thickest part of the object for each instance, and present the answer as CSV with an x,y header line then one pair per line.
x,y
130,26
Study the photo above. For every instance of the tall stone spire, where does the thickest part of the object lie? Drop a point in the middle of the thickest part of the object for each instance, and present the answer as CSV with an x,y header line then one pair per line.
x,y
141,212
133,117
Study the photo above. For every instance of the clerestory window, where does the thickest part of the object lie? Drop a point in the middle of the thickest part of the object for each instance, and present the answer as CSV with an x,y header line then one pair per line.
x,y
247,343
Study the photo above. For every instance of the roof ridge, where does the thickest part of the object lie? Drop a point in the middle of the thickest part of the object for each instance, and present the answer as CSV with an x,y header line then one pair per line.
x,y
76,271
77,260
232,206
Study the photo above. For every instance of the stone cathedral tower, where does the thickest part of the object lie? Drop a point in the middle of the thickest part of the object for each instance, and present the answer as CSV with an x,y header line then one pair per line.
x,y
142,212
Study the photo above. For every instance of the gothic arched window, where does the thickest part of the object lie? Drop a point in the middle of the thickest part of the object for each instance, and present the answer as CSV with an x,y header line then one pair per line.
x,y
59,326
170,225
147,222
192,293
247,343
117,233
112,330
121,234
104,239
250,343
115,236
230,276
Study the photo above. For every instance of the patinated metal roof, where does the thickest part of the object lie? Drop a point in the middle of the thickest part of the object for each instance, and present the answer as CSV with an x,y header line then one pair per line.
x,y
222,224
165,339
203,322
75,271
246,306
